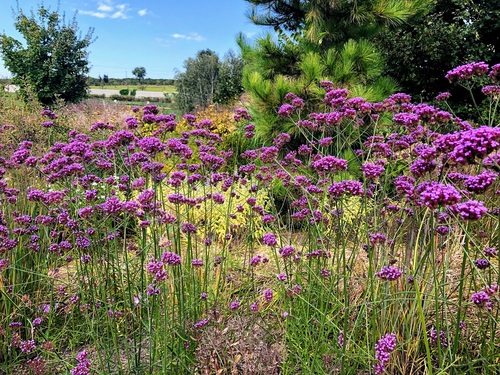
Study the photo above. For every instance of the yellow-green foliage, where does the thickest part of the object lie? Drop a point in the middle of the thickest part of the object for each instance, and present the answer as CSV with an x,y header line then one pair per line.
x,y
216,220
222,119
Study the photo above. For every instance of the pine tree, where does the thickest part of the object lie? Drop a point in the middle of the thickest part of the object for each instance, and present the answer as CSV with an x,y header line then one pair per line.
x,y
317,40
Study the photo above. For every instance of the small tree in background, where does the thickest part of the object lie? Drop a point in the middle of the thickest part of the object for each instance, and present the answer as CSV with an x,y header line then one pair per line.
x,y
197,85
140,73
53,60
207,80
229,85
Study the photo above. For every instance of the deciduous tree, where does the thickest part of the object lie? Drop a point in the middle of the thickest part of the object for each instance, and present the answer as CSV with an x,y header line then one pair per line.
x,y
140,73
52,62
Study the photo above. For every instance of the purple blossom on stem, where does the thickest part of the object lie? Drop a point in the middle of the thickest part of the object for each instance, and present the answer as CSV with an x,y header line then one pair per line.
x,y
467,71
270,239
434,194
482,263
201,323
83,366
286,110
171,259
384,347
287,251
469,210
329,164
490,252
389,273
234,305
268,295
372,171
27,346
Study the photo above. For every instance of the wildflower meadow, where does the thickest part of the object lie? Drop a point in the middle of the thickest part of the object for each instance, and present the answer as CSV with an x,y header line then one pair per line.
x,y
141,242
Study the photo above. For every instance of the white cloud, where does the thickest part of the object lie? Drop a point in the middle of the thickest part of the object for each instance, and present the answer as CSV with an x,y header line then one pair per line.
x,y
142,12
118,15
93,14
105,8
191,36
108,9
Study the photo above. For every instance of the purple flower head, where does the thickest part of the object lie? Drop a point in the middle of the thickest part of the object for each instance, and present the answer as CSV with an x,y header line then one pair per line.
x,y
83,366
201,323
242,114
329,164
490,252
234,305
481,299
482,263
467,71
285,110
270,239
434,194
409,120
443,96
188,228
491,90
132,123
48,113
384,347
481,182
287,251
268,295
197,263
495,73
421,166
151,145
469,210
4,263
171,259
255,260
389,273
154,266
153,290
465,146
27,346
372,171
281,139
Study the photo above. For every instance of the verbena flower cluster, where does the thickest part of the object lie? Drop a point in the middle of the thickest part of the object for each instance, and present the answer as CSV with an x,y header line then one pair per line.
x,y
160,224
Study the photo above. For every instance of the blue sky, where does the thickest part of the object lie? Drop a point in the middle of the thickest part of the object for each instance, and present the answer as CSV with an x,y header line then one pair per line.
x,y
156,34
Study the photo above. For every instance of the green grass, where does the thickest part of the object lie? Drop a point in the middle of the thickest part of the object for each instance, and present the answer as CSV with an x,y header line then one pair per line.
x,y
155,88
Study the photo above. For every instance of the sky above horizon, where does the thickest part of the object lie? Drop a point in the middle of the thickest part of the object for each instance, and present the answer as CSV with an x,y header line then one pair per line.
x,y
156,34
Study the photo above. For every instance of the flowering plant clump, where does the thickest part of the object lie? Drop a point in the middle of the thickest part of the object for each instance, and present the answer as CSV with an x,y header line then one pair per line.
x,y
178,234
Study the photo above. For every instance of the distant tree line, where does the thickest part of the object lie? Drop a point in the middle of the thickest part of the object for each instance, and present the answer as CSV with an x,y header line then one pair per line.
x,y
93,81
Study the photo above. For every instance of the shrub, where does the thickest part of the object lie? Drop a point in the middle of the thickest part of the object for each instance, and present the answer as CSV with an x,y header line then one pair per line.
x,y
124,92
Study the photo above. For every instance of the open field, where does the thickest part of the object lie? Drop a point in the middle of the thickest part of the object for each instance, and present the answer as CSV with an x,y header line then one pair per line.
x,y
153,88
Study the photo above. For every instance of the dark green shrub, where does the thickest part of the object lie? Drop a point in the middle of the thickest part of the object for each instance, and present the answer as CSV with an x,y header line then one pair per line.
x,y
124,92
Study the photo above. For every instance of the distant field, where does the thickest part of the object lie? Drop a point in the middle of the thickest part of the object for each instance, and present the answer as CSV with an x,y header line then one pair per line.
x,y
155,88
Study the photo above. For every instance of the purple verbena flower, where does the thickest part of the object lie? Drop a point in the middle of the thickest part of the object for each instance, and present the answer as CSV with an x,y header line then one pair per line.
x,y
384,347
389,273
467,71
